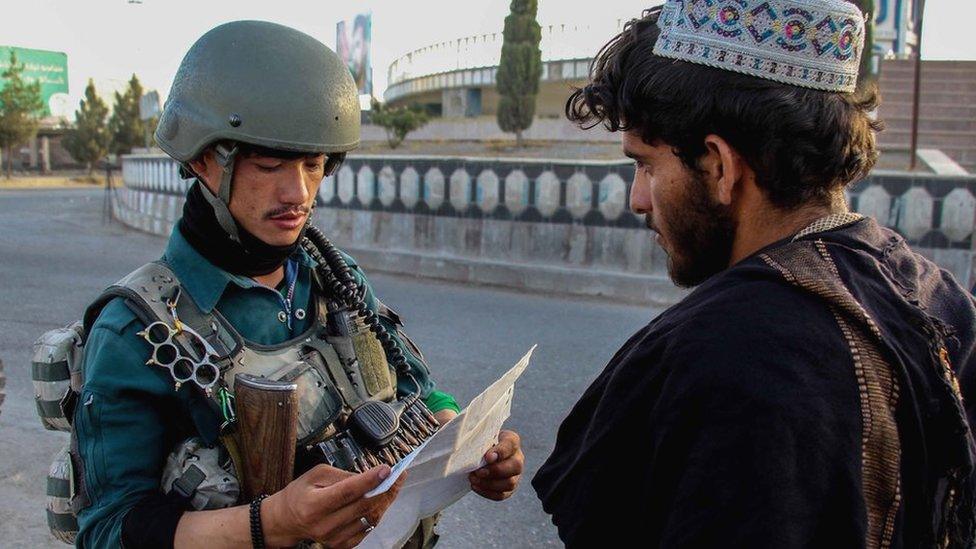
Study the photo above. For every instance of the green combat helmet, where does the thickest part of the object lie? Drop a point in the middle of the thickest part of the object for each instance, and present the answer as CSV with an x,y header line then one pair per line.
x,y
263,84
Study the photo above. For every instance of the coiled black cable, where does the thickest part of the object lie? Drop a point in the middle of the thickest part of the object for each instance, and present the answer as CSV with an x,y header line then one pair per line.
x,y
339,281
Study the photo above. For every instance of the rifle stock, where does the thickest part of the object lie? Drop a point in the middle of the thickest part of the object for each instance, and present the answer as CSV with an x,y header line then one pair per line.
x,y
267,420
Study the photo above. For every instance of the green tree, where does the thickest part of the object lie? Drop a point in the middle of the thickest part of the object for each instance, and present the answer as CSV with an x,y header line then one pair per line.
x,y
89,141
125,126
520,69
397,121
865,72
20,107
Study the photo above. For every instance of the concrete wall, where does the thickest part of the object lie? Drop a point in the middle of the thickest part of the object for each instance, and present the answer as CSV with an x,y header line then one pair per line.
x,y
947,107
556,226
947,116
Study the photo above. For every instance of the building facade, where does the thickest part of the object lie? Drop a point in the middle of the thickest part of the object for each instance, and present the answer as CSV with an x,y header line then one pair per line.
x,y
457,78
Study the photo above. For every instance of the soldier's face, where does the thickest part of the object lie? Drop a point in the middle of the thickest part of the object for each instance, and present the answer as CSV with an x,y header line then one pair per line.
x,y
271,197
694,229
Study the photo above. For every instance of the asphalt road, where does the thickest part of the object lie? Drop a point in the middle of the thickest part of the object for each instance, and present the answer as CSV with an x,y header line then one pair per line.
x,y
56,255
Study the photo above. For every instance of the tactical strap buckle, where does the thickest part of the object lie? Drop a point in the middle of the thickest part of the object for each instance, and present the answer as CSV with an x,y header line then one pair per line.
x,y
187,484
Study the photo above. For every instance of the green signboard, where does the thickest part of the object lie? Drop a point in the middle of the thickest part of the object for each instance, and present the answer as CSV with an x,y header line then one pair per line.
x,y
50,68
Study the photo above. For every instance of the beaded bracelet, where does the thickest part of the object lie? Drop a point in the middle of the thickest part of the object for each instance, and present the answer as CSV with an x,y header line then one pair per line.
x,y
257,533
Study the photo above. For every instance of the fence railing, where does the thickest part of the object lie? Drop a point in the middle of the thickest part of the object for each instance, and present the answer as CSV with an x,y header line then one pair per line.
x,y
930,211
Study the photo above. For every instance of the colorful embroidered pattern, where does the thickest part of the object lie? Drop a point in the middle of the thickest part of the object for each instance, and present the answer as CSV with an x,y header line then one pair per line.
x,y
810,43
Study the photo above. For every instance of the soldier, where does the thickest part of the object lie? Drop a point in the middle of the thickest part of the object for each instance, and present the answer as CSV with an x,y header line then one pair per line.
x,y
259,114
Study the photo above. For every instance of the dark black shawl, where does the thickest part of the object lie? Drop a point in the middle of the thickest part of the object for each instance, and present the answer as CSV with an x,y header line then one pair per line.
x,y
734,420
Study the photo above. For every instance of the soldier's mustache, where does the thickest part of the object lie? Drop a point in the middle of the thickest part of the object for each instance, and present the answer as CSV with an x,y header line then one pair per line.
x,y
285,210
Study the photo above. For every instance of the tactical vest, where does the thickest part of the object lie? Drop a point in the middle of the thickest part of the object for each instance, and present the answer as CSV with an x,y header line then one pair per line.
x,y
350,415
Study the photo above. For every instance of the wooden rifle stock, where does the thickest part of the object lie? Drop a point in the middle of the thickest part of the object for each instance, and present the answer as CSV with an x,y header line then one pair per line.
x,y
267,433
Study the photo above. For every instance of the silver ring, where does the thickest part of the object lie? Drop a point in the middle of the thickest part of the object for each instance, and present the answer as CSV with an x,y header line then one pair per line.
x,y
369,527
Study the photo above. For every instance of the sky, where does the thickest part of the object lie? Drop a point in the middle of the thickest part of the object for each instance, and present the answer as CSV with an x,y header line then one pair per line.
x,y
109,40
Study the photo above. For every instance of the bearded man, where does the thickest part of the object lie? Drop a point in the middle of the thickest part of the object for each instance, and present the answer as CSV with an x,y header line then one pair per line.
x,y
805,393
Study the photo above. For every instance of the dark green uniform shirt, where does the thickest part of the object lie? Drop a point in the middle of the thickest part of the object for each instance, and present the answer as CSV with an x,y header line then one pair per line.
x,y
130,416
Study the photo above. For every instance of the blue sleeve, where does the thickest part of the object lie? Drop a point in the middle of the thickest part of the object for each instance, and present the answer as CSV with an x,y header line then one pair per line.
x,y
120,425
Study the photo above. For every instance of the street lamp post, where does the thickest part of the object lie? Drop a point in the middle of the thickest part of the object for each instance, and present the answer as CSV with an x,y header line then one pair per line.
x,y
913,161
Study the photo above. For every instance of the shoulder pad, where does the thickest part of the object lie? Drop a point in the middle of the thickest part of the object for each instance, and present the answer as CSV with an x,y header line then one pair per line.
x,y
146,288
350,260
384,311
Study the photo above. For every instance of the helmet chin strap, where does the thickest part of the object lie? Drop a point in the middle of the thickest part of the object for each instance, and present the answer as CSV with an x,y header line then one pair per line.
x,y
221,203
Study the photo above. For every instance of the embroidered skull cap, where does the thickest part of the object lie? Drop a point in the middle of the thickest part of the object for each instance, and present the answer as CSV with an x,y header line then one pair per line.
x,y
810,43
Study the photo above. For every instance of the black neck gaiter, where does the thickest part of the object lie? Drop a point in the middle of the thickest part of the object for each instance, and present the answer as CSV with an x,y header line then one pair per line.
x,y
250,257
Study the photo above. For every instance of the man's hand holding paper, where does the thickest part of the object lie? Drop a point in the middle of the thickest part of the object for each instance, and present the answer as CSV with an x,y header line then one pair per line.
x,y
469,453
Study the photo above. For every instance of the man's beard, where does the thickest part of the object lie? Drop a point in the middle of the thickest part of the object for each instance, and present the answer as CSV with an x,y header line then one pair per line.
x,y
699,234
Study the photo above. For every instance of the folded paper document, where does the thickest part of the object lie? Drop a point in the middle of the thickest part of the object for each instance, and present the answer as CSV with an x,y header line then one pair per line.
x,y
438,470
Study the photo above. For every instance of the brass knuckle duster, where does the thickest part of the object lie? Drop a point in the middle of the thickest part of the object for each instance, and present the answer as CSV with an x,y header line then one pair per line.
x,y
167,354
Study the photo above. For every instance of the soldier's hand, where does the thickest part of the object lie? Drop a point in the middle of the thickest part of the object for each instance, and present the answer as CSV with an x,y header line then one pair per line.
x,y
500,476
327,505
